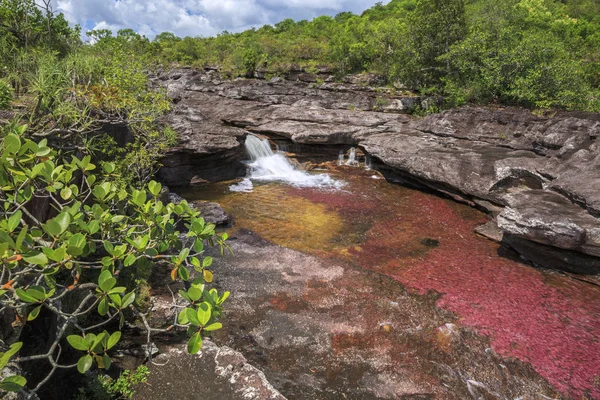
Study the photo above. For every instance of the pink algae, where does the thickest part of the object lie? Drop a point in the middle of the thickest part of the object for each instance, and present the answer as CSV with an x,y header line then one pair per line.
x,y
546,319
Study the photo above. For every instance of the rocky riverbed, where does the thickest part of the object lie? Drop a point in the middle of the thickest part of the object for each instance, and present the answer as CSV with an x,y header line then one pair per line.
x,y
539,175
385,292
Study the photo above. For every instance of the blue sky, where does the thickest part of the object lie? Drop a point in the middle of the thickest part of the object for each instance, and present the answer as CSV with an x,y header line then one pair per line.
x,y
196,17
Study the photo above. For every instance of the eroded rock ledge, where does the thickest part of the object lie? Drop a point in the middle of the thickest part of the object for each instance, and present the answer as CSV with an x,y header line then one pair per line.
x,y
538,176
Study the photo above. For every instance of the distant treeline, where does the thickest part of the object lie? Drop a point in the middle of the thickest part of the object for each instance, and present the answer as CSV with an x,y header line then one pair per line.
x,y
535,53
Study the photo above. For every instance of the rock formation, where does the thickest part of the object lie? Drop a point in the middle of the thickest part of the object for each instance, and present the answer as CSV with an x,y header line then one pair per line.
x,y
539,176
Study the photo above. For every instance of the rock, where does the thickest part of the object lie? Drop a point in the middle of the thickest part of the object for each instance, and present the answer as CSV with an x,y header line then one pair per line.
x,y
491,231
548,218
212,213
481,156
214,373
543,171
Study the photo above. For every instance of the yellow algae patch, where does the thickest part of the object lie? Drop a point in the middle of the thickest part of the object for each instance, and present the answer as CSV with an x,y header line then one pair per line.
x,y
289,221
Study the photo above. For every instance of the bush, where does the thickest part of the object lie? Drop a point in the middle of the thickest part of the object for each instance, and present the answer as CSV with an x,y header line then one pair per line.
x,y
70,264
5,94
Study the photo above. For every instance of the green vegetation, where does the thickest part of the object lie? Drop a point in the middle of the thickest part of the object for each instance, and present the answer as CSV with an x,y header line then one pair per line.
x,y
534,53
103,387
82,223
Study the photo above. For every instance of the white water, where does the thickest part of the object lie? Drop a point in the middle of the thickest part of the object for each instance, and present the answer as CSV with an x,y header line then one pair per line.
x,y
352,157
269,166
341,158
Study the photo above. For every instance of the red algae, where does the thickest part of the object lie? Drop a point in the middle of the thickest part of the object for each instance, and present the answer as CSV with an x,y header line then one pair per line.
x,y
427,244
548,320
555,327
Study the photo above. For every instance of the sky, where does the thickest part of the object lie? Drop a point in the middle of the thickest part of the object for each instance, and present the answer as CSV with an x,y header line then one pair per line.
x,y
196,17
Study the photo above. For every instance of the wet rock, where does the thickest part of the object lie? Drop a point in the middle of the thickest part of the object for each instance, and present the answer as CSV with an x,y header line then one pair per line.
x,y
212,213
480,156
491,231
322,329
215,373
543,171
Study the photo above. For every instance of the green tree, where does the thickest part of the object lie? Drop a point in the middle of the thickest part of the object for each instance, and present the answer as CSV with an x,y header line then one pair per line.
x,y
71,265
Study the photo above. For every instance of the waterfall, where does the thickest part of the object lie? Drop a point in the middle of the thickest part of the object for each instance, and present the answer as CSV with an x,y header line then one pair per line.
x,y
267,165
341,158
368,162
352,157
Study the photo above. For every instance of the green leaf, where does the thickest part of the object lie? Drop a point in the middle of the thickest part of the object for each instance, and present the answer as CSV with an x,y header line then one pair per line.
x,y
183,273
13,349
34,313
106,361
66,193
63,220
207,262
24,296
129,260
99,342
182,317
223,297
192,316
213,327
12,143
78,342
138,197
116,298
128,299
13,383
14,221
20,239
104,276
195,343
154,188
56,255
113,340
108,167
76,245
103,307
194,294
84,364
204,312
36,258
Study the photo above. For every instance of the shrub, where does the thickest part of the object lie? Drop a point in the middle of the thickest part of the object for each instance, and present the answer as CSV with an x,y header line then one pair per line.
x,y
70,264
5,94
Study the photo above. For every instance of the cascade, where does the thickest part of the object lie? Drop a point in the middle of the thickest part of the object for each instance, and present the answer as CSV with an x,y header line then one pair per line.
x,y
341,158
352,157
267,165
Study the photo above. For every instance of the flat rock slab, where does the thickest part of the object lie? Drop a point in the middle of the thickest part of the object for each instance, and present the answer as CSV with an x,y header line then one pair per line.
x,y
215,373
321,329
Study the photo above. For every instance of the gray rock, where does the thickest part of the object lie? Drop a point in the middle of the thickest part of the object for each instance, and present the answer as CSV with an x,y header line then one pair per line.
x,y
214,373
484,157
212,213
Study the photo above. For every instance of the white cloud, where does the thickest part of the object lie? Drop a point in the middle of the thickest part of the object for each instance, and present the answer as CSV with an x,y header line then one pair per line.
x,y
196,17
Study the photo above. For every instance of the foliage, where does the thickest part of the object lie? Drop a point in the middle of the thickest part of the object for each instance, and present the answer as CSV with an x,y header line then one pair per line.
x,y
535,53
123,386
103,387
70,265
5,94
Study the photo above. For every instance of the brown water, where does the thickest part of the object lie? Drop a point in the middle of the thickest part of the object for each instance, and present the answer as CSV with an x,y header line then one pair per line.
x,y
426,244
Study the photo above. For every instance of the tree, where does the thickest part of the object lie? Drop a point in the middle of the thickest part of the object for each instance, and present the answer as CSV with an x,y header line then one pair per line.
x,y
72,265
434,26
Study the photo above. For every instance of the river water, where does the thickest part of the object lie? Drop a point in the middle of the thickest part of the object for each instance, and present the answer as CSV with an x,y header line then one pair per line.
x,y
546,322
